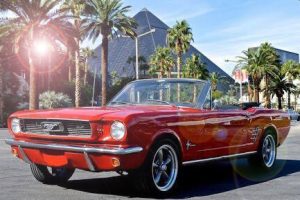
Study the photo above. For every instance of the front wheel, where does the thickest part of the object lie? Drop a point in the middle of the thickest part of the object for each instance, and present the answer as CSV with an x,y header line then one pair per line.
x,y
160,172
266,155
51,175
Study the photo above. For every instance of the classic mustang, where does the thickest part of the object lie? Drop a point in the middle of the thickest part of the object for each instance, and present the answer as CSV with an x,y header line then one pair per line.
x,y
150,129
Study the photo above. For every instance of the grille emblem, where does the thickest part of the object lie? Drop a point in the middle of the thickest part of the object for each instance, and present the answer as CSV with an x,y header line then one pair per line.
x,y
57,127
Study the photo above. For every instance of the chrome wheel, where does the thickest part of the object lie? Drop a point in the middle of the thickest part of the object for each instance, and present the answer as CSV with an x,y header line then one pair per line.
x,y
269,151
165,167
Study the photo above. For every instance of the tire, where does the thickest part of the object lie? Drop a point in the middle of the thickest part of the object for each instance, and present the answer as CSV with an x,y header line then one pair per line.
x,y
51,176
267,152
159,174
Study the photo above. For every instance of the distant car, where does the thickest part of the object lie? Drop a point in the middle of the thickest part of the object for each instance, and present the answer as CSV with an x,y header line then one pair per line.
x,y
293,115
150,129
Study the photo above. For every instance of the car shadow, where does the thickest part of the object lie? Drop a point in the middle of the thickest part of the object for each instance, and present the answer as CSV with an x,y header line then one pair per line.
x,y
196,181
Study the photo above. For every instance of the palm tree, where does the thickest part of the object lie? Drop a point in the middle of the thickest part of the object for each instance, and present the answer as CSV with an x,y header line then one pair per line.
x,y
179,39
271,68
195,68
162,61
296,92
86,54
278,86
1,93
132,60
31,18
214,79
106,17
76,31
292,71
252,61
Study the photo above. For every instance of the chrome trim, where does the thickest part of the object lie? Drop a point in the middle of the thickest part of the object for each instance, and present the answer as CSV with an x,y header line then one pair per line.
x,y
218,158
23,154
228,147
67,119
108,150
89,162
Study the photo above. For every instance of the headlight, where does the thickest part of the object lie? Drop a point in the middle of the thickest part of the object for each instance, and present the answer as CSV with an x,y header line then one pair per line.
x,y
15,125
117,130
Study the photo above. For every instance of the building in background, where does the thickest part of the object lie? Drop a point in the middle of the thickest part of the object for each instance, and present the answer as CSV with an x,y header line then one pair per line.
x,y
123,49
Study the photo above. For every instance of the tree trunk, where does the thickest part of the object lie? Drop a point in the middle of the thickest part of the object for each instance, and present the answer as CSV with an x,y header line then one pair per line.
x,y
169,73
296,96
268,101
33,93
289,99
70,57
85,72
250,92
104,60
256,94
1,95
289,94
279,102
179,61
77,75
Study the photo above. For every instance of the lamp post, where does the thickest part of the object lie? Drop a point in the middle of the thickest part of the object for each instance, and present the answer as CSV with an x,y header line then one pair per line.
x,y
137,51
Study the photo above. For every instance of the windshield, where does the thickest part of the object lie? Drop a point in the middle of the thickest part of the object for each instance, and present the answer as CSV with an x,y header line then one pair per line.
x,y
160,92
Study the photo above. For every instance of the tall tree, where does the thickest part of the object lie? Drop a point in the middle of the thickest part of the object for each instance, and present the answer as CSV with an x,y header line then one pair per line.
x,y
253,61
214,79
195,68
76,32
278,86
296,93
86,54
291,70
179,38
106,17
132,60
270,69
31,17
162,61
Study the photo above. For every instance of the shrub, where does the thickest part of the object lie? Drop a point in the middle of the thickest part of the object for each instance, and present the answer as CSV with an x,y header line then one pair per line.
x,y
51,99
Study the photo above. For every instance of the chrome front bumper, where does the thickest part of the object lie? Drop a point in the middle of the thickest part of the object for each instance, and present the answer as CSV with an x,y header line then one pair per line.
x,y
85,150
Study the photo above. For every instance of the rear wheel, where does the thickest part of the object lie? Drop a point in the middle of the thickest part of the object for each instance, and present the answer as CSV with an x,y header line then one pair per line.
x,y
160,172
266,155
51,175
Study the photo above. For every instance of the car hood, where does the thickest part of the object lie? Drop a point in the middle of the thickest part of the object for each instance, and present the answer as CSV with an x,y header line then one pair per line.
x,y
91,113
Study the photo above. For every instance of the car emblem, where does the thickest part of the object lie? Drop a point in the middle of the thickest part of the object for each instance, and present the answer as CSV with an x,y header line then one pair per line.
x,y
57,127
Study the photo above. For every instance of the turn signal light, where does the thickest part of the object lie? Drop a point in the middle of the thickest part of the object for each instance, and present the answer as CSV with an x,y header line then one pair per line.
x,y
14,152
115,162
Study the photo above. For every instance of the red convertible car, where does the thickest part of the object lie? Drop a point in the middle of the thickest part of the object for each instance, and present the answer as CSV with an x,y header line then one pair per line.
x,y
150,129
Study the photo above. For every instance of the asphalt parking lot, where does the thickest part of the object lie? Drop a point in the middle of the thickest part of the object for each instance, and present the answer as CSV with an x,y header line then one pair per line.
x,y
219,180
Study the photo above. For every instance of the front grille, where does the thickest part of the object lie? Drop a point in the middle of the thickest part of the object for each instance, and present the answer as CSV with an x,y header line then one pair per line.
x,y
56,127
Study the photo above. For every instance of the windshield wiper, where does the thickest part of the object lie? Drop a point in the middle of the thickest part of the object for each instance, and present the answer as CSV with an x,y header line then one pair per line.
x,y
159,101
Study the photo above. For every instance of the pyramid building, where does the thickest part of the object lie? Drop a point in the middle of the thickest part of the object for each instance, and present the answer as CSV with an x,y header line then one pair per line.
x,y
122,48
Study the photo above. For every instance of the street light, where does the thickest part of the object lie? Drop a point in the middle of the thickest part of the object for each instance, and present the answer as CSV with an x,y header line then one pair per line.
x,y
137,51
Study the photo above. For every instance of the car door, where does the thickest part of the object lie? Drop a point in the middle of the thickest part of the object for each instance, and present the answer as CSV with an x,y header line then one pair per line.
x,y
225,132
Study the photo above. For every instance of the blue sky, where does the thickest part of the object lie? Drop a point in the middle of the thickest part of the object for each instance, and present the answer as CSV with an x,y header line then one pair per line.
x,y
224,28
